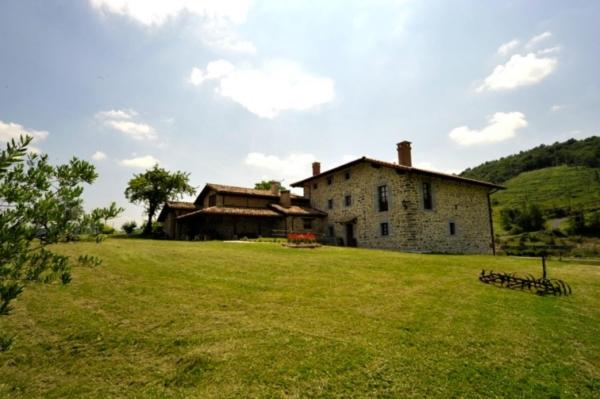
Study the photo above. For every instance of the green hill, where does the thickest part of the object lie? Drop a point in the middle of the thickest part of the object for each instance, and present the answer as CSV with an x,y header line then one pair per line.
x,y
572,152
557,190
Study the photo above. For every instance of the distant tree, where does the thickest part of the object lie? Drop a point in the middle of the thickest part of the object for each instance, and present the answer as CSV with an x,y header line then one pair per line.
x,y
129,227
266,185
155,187
528,218
40,204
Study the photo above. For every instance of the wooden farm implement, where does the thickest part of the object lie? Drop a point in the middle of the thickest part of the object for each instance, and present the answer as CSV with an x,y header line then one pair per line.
x,y
540,286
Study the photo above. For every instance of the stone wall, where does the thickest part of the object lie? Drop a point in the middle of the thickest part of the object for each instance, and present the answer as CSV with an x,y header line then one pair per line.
x,y
411,227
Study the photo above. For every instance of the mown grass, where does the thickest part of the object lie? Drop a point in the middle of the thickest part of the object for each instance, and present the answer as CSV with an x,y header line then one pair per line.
x,y
181,319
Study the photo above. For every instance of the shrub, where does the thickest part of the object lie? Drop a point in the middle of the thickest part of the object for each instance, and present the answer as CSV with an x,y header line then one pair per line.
x,y
529,218
106,229
129,227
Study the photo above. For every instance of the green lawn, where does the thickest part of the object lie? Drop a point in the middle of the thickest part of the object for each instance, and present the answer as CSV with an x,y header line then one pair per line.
x,y
181,319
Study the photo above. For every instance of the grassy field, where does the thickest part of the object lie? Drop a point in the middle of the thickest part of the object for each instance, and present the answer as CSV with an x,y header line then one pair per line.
x,y
180,319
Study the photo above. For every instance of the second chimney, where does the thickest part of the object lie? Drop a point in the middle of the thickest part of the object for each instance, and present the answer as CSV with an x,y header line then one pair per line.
x,y
316,168
285,199
404,156
275,186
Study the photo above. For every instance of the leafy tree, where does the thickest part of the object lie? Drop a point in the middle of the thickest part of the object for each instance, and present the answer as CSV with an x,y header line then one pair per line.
x,y
41,204
129,227
529,218
266,185
155,187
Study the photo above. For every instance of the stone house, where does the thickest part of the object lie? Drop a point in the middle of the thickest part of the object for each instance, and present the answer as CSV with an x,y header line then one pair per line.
x,y
376,204
365,202
228,212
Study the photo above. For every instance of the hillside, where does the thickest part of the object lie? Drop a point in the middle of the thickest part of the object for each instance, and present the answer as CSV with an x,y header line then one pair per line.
x,y
168,319
572,152
557,190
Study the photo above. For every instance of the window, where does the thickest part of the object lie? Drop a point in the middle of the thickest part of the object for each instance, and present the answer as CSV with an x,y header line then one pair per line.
x,y
329,204
307,224
347,175
315,185
382,195
329,180
427,200
212,200
452,227
348,200
331,231
384,228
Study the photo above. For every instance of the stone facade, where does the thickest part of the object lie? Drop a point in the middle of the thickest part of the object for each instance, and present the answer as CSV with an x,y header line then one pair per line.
x,y
410,227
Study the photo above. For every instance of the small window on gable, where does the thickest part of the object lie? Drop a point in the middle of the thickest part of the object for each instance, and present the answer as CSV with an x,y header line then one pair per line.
x,y
382,197
329,180
331,231
212,200
384,229
329,204
348,200
452,228
315,185
347,175
307,224
427,198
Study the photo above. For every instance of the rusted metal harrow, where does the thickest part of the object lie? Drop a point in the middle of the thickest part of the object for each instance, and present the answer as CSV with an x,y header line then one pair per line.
x,y
541,286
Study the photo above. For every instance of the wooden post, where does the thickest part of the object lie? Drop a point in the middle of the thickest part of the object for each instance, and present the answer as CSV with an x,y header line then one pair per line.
x,y
544,267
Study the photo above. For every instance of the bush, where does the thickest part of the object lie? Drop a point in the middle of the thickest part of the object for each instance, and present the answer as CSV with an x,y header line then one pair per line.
x,y
106,229
529,218
6,343
129,227
299,238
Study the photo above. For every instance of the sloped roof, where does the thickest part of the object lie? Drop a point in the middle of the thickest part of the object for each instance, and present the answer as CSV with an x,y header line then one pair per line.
x,y
177,205
225,210
240,190
296,210
399,168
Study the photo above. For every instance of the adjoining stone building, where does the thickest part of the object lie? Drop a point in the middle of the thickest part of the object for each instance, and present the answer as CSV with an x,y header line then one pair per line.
x,y
229,212
365,202
376,204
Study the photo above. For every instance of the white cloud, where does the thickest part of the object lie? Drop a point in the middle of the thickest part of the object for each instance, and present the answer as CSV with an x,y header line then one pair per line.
x,y
549,50
279,85
501,126
98,156
508,47
10,130
534,41
558,107
143,162
116,114
519,71
217,17
214,70
138,131
120,120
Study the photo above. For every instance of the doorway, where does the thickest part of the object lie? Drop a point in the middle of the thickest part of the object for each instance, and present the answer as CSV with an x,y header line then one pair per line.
x,y
350,239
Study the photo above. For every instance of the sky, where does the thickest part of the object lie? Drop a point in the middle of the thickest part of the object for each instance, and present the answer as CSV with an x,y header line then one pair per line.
x,y
237,91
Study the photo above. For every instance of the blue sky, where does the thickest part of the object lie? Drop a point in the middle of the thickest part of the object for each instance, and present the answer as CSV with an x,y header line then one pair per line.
x,y
236,91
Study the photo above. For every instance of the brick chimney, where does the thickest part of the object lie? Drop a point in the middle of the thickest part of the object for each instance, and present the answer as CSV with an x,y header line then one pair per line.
x,y
404,157
316,168
285,199
275,186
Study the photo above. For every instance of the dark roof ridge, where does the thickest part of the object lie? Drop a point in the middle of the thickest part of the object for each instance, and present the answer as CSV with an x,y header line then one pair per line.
x,y
399,167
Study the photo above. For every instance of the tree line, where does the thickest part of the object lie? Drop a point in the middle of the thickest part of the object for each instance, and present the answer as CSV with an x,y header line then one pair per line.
x,y
572,152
